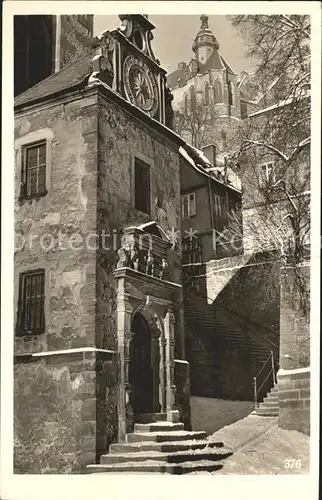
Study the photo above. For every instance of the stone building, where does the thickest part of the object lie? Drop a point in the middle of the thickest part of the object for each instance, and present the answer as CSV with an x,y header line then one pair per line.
x,y
99,338
209,80
44,44
101,184
252,294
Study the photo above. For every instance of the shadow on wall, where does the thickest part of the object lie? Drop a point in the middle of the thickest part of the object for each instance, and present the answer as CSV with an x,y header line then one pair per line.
x,y
230,334
252,297
211,415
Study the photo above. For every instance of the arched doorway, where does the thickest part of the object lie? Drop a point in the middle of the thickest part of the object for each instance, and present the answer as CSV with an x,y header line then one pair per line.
x,y
141,369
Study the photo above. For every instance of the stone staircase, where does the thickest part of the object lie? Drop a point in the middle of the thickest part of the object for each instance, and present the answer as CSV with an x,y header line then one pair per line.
x,y
201,317
269,406
163,447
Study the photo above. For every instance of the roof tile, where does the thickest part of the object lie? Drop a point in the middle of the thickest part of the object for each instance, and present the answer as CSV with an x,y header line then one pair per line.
x,y
67,77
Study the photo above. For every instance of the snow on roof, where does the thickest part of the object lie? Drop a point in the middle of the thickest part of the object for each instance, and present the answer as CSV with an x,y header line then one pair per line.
x,y
206,168
270,108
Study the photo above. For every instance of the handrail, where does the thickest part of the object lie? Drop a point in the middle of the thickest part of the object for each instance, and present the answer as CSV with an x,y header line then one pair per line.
x,y
260,371
271,372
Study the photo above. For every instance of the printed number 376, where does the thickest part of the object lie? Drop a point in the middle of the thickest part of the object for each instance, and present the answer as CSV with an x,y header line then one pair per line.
x,y
291,463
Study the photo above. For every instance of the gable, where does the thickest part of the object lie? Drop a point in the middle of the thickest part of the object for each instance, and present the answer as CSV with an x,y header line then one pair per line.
x,y
190,178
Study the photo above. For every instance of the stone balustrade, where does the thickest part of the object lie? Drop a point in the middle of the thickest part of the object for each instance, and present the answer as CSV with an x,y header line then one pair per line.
x,y
144,252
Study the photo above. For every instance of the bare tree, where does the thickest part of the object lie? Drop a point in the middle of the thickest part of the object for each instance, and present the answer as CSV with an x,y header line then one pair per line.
x,y
273,154
195,122
274,142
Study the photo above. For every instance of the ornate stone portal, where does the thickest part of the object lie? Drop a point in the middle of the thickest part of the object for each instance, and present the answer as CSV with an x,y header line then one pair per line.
x,y
155,299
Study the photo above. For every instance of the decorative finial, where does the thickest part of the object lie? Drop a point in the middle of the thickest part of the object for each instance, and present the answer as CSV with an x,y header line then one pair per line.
x,y
204,22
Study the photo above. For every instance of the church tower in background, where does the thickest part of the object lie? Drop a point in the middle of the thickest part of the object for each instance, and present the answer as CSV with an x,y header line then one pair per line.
x,y
44,44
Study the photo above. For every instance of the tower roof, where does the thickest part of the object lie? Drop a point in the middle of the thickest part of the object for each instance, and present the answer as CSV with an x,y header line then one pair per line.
x,y
205,36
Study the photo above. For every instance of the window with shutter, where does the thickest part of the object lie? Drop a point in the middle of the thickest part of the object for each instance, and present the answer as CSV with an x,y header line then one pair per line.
x,y
31,314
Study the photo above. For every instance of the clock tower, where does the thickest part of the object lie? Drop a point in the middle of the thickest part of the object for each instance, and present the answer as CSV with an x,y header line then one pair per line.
x,y
125,60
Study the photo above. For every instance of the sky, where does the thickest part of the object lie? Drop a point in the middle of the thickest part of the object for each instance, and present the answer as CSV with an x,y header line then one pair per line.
x,y
174,35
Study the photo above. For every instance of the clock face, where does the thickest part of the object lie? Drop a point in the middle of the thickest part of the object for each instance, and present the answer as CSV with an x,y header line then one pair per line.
x,y
140,85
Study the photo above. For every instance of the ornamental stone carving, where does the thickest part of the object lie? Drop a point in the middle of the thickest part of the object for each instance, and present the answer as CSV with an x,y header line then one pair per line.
x,y
140,85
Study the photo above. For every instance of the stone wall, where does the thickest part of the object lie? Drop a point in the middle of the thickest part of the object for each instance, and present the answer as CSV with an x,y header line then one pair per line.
x,y
76,33
295,317
294,399
217,369
294,376
57,231
65,410
246,289
121,139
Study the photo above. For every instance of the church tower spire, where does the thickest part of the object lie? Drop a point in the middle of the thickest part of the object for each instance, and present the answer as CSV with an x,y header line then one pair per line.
x,y
205,42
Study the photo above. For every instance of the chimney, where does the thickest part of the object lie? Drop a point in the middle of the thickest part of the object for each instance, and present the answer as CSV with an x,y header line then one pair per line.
x,y
181,65
210,153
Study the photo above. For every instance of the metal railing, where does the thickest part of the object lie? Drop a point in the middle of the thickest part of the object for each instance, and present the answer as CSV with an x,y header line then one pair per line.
x,y
271,373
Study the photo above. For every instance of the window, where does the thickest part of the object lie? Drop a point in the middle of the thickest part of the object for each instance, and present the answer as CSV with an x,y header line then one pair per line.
x,y
185,103
218,92
193,99
142,186
31,314
243,109
188,205
230,94
218,205
191,251
267,175
33,178
206,94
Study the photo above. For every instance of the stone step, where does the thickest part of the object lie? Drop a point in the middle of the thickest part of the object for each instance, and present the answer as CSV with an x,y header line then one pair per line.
x,y
160,437
146,418
271,399
264,412
168,447
268,404
207,453
158,427
155,466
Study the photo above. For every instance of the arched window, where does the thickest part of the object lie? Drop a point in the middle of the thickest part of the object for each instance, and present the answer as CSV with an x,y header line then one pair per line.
x,y
193,100
206,94
231,96
185,103
33,50
218,92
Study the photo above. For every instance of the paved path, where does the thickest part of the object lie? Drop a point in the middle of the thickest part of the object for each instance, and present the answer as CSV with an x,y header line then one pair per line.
x,y
261,447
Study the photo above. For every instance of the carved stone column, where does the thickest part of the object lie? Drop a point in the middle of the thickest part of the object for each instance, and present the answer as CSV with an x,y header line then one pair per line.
x,y
124,314
155,355
169,323
162,374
